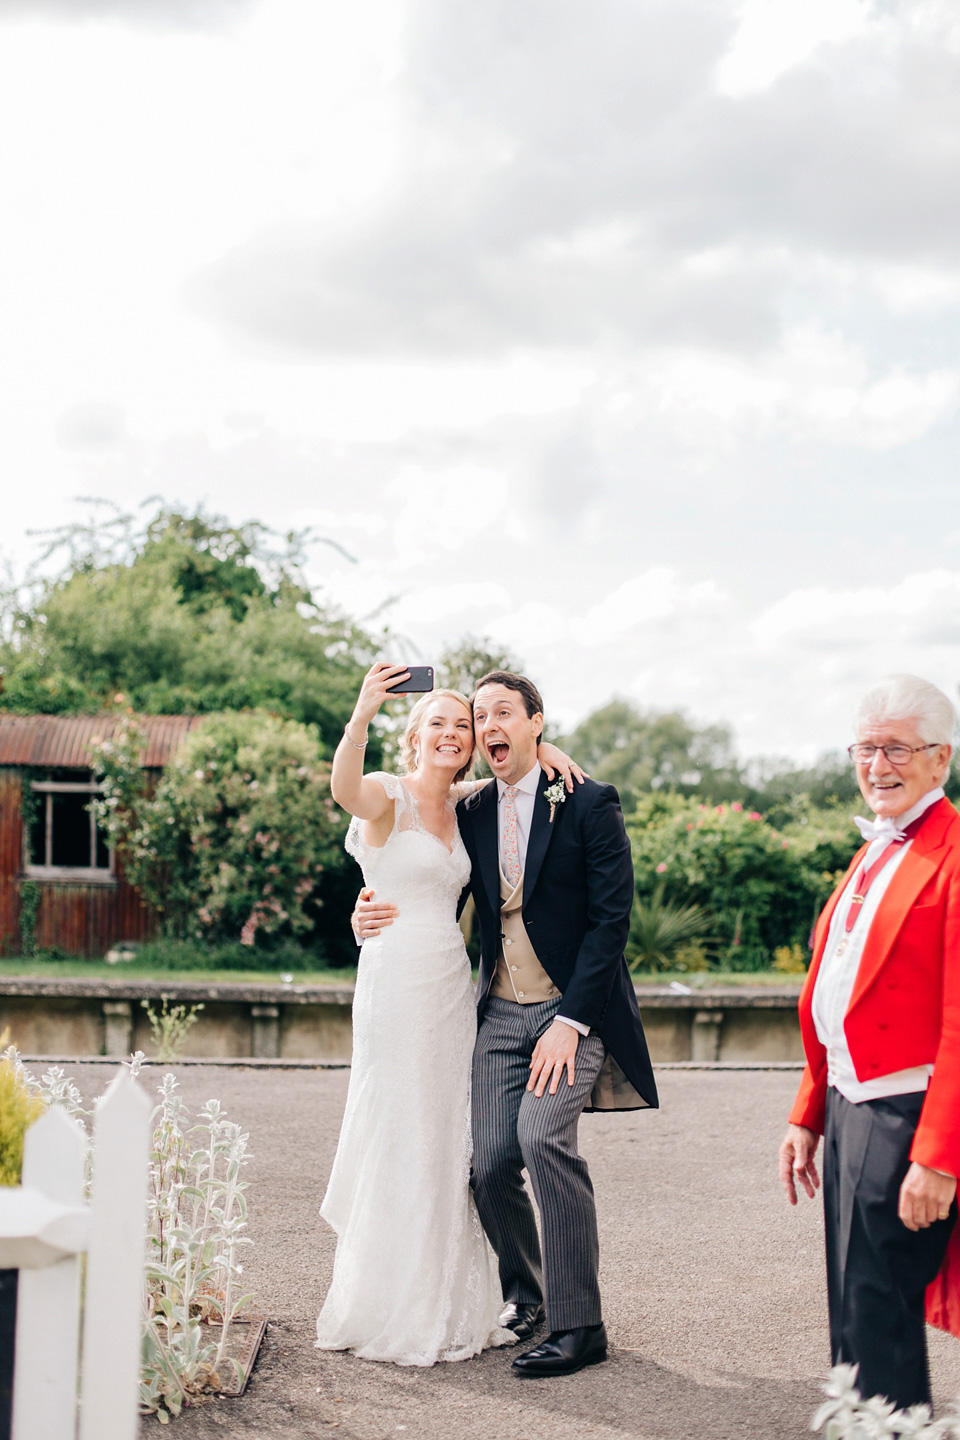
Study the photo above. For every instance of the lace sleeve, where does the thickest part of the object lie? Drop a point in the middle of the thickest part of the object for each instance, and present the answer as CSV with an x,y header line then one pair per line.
x,y
354,843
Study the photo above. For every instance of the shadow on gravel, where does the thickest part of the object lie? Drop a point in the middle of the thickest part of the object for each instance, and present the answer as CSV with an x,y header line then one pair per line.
x,y
298,1392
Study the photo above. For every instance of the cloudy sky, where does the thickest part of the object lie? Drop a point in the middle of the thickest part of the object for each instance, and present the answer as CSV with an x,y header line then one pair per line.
x,y
623,332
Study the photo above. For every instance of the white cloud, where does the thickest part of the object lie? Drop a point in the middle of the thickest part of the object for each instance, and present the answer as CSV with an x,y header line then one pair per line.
x,y
908,289
159,14
916,610
440,507
439,606
568,347
815,382
658,594
773,36
529,627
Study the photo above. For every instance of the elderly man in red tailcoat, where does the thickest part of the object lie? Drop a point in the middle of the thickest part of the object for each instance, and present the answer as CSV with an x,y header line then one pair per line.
x,y
880,1015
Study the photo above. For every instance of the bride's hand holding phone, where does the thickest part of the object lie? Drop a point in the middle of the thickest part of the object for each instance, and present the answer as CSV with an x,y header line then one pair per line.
x,y
374,691
353,792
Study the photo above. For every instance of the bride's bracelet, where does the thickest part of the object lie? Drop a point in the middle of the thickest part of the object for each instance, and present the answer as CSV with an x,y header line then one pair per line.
x,y
349,737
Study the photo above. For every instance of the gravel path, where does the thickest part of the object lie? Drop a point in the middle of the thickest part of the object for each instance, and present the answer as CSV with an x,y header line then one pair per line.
x,y
713,1286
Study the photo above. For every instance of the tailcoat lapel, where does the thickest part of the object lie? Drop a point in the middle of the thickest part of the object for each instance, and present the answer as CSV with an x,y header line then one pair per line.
x,y
917,869
541,832
488,843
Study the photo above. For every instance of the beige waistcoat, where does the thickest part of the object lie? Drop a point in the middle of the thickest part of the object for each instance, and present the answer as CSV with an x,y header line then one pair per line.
x,y
519,976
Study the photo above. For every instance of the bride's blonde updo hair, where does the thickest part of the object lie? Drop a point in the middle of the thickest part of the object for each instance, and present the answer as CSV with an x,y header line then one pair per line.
x,y
408,753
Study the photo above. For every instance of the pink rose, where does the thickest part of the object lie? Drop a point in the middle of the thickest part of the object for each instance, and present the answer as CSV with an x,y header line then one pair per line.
x,y
736,807
661,868
754,815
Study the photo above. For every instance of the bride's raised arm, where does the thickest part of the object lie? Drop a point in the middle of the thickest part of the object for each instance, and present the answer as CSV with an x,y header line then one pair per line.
x,y
353,791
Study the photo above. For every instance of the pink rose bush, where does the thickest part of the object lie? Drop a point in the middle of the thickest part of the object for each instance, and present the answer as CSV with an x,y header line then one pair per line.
x,y
760,886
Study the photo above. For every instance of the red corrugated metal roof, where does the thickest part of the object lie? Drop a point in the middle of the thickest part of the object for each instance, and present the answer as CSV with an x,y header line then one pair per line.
x,y
62,739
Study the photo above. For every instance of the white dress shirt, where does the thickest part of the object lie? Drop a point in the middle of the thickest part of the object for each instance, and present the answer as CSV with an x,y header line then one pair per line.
x,y
838,973
524,801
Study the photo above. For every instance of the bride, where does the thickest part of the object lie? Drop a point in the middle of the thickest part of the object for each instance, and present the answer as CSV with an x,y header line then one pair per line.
x,y
414,1280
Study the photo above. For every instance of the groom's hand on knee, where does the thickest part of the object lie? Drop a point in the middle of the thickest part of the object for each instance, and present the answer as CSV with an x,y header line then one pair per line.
x,y
555,1052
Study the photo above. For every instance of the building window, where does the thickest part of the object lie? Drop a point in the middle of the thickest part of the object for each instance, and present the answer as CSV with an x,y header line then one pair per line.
x,y
62,840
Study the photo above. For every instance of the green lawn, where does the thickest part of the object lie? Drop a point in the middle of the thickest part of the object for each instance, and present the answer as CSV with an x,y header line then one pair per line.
x,y
706,979
132,970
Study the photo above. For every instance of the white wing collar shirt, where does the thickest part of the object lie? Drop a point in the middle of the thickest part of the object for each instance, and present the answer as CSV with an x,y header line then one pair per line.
x,y
841,962
525,794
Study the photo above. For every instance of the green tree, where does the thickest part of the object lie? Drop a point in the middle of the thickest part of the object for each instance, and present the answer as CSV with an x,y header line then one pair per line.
x,y
639,752
786,792
192,617
462,665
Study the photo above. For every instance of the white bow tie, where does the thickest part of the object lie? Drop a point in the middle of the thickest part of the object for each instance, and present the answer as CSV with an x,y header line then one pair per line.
x,y
885,829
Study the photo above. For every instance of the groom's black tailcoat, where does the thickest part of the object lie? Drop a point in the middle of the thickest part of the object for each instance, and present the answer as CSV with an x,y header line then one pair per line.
x,y
577,901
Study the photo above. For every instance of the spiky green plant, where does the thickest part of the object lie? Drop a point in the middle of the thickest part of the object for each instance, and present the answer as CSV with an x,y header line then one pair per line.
x,y
659,927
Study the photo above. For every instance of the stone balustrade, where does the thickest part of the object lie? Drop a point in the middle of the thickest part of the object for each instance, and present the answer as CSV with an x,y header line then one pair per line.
x,y
267,1021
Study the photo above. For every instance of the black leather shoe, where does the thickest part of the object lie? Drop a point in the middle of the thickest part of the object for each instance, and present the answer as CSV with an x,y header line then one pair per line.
x,y
523,1320
564,1352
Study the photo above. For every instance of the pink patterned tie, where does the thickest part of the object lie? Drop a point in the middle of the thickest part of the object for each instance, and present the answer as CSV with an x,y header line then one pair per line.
x,y
511,849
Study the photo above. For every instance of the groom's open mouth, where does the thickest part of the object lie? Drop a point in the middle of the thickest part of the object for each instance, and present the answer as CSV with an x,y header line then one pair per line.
x,y
498,752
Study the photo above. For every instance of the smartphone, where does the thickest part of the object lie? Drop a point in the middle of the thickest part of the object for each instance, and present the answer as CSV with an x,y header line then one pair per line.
x,y
421,680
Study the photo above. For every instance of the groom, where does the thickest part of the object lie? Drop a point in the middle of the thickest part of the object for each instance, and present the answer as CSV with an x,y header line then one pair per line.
x,y
559,1028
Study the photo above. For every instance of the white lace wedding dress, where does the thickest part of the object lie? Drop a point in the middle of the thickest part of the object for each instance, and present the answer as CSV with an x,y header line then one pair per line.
x,y
415,1280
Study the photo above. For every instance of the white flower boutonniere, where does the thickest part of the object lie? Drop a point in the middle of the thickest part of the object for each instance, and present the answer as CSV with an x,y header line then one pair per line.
x,y
555,795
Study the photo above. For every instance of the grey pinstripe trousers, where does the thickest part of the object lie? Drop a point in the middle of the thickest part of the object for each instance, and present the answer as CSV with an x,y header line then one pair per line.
x,y
515,1130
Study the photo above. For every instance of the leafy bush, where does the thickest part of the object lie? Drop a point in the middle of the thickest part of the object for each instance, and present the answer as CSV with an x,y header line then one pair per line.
x,y
233,841
761,887
19,1107
167,954
791,959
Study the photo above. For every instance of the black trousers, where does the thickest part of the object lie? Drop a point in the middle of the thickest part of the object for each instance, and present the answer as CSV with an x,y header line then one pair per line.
x,y
877,1269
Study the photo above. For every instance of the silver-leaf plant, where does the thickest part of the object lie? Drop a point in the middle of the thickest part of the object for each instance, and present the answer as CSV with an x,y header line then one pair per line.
x,y
846,1415
196,1212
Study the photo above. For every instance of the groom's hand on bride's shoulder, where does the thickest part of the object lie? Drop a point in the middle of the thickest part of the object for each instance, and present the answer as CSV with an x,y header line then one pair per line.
x,y
370,915
555,1052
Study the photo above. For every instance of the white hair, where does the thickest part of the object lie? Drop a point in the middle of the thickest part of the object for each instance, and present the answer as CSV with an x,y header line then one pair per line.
x,y
907,697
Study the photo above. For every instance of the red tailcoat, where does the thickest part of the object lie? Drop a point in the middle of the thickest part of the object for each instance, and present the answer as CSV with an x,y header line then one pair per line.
x,y
905,1011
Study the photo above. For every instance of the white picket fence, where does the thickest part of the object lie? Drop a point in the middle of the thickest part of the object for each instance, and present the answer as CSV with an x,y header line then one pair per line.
x,y
45,1229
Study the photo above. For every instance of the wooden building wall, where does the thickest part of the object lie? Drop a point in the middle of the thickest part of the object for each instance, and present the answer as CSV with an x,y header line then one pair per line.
x,y
81,919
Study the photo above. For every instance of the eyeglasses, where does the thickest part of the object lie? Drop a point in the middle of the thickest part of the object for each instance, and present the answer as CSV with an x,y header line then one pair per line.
x,y
896,754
